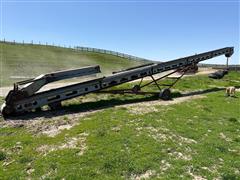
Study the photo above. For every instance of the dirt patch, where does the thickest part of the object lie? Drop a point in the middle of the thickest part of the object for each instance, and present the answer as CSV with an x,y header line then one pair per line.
x,y
59,128
140,109
148,174
30,171
194,176
164,134
147,107
7,163
224,137
164,166
181,156
70,143
116,129
202,71
48,126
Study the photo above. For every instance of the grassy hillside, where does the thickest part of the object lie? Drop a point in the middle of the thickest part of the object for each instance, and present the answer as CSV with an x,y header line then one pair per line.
x,y
32,60
130,137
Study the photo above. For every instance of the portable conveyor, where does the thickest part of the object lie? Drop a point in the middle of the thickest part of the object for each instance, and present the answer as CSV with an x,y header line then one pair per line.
x,y
26,97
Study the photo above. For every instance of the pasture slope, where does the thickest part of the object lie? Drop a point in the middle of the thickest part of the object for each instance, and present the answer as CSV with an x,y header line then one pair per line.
x,y
193,136
29,61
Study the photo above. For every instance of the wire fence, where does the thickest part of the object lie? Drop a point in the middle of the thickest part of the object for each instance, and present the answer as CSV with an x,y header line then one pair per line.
x,y
35,43
77,48
114,53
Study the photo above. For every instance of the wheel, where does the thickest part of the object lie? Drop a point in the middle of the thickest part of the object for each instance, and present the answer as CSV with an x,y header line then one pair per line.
x,y
6,110
136,88
165,94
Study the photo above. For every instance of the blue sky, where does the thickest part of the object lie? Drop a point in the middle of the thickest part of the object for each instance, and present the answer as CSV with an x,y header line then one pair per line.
x,y
159,30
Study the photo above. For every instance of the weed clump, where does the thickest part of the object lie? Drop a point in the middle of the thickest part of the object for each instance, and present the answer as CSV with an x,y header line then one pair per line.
x,y
234,120
229,177
3,156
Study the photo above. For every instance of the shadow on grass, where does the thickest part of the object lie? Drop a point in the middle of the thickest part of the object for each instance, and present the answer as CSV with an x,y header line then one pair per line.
x,y
202,91
102,104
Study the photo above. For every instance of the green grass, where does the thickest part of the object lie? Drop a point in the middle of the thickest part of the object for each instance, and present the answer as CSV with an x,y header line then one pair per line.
x,y
199,137
33,60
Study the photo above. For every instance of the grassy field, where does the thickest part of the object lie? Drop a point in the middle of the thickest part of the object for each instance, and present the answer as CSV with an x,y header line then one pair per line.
x,y
130,137
32,60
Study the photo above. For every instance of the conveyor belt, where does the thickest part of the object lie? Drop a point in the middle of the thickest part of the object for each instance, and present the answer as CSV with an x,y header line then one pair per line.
x,y
20,100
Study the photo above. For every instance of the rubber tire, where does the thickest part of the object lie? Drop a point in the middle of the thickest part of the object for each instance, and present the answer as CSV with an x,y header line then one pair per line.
x,y
5,110
165,94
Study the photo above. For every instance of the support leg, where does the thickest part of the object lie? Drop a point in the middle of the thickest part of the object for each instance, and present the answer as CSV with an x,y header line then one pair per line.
x,y
140,82
55,105
156,83
137,88
227,63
